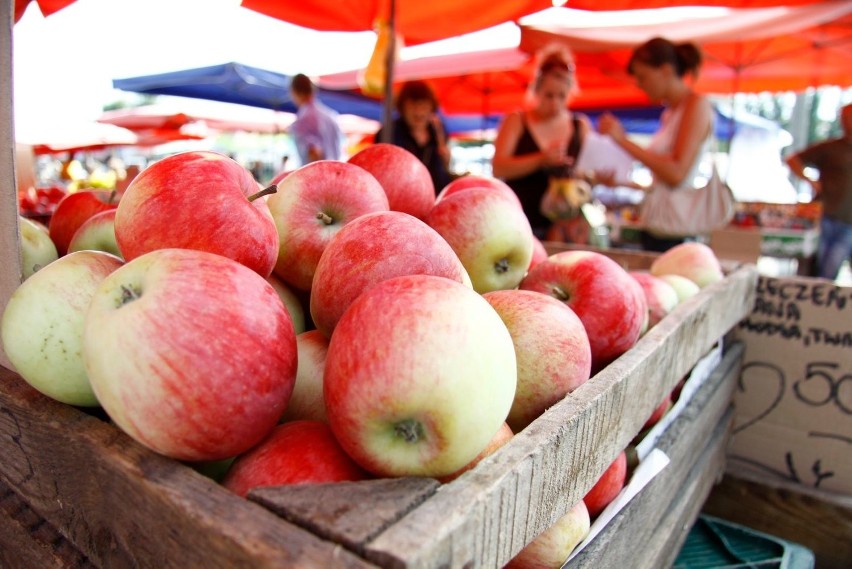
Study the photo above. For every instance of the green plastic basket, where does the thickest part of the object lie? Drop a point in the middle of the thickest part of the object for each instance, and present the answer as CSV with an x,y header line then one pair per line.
x,y
713,543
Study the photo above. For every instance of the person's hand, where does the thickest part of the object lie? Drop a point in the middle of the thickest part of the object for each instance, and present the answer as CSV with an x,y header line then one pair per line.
x,y
610,126
604,176
554,156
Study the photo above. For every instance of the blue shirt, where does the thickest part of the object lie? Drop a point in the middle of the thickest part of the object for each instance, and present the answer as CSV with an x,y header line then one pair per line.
x,y
316,126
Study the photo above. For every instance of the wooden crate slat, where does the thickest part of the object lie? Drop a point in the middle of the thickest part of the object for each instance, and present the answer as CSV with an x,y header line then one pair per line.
x,y
629,535
444,530
124,506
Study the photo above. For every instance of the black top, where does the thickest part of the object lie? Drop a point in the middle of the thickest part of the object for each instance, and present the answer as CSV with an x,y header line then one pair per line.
x,y
428,153
531,188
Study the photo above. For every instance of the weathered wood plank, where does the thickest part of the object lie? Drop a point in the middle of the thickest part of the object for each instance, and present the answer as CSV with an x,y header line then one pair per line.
x,y
124,506
644,529
550,465
823,527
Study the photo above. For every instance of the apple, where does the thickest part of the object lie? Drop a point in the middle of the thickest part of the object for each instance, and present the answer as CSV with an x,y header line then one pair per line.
x,y
43,321
489,233
607,486
197,200
97,234
503,436
552,350
539,253
372,248
420,375
693,260
683,287
659,412
292,302
300,452
475,181
307,401
312,203
190,353
552,547
405,179
37,248
660,295
73,210
609,302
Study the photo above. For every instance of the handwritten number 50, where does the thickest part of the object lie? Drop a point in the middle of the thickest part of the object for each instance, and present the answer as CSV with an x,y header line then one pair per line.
x,y
821,387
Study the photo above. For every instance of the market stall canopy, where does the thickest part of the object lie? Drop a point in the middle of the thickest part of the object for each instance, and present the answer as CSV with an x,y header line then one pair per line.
x,y
47,7
230,119
73,136
745,50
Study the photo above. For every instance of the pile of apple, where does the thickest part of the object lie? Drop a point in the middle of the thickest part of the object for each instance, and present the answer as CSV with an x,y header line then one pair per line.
x,y
346,324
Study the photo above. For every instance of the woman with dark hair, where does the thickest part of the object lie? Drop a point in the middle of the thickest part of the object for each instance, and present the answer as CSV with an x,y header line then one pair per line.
x,y
419,129
662,70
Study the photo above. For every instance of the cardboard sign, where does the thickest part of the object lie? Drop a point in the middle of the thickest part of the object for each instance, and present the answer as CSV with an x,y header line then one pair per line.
x,y
794,396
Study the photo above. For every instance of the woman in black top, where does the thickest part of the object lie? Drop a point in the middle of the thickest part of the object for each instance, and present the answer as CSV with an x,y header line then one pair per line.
x,y
543,140
419,130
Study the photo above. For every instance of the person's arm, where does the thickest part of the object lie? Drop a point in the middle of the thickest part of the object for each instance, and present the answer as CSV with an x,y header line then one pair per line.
x,y
797,166
670,168
505,165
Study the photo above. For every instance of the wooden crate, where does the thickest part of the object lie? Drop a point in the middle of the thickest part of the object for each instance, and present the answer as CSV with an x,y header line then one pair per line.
x,y
119,505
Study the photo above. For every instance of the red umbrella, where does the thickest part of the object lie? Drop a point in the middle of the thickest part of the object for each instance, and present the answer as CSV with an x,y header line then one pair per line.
x,y
228,119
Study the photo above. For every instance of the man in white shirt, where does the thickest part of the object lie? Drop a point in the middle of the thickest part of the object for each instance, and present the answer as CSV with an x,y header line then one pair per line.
x,y
315,131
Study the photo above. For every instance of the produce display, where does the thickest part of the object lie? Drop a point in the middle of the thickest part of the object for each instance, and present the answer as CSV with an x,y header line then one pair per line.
x,y
318,332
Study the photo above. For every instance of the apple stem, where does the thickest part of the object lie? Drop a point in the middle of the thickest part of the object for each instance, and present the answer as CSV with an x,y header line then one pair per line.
x,y
325,218
111,197
410,430
502,266
560,293
128,294
264,192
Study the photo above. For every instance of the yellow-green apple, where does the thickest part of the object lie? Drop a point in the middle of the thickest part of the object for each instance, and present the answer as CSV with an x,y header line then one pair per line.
x,y
683,287
539,252
609,302
307,401
420,374
552,350
43,325
190,353
607,486
73,210
312,203
197,200
96,234
552,547
372,248
475,181
404,177
489,233
503,436
693,260
661,296
291,301
299,452
37,248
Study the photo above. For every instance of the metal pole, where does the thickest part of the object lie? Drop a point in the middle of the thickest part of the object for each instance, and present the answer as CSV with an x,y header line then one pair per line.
x,y
387,110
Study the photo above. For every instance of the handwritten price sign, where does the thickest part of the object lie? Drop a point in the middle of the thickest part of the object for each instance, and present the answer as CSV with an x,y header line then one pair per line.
x,y
794,397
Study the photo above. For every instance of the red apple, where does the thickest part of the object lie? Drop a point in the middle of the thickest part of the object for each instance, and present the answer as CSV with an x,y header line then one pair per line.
x,y
190,353
375,247
404,177
539,253
73,210
295,306
693,260
608,486
552,547
659,412
299,452
503,436
312,203
660,295
197,200
489,233
607,299
307,401
474,181
552,349
420,375
96,234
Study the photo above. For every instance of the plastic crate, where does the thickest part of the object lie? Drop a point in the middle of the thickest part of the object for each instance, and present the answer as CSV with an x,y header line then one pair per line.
x,y
718,544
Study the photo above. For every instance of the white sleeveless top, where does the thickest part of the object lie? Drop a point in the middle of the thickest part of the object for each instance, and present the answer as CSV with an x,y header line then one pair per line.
x,y
663,141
